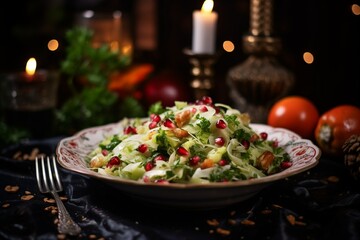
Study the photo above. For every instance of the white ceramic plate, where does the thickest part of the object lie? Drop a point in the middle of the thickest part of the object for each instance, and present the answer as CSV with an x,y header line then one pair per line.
x,y
71,153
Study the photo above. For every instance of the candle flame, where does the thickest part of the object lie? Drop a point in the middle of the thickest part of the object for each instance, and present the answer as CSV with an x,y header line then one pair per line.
x,y
207,6
31,66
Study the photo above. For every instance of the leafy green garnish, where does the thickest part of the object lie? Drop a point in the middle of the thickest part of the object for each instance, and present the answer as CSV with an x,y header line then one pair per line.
x,y
232,121
170,115
156,108
162,141
204,124
113,143
245,155
198,150
241,134
204,131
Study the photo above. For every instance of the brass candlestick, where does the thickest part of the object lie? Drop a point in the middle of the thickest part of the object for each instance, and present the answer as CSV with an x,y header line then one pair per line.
x,y
260,80
202,73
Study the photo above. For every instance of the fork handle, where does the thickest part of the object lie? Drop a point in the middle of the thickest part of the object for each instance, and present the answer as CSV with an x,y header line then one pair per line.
x,y
66,224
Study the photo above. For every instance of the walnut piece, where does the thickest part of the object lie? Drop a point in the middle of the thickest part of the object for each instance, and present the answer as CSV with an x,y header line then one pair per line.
x,y
183,118
265,160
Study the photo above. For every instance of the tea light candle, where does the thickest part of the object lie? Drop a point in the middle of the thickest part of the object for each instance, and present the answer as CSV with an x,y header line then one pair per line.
x,y
204,29
31,90
29,99
30,69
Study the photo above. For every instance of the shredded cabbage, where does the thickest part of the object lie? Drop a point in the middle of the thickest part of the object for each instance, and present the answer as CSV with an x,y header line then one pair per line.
x,y
188,143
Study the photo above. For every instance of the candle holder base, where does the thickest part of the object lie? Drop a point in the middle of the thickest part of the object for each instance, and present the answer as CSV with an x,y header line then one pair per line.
x,y
202,72
257,83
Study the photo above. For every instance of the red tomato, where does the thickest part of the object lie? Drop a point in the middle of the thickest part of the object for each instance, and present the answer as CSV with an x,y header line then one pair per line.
x,y
295,113
335,126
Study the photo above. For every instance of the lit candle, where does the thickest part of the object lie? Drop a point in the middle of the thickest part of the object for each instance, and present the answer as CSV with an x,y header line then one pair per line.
x,y
204,29
30,69
30,99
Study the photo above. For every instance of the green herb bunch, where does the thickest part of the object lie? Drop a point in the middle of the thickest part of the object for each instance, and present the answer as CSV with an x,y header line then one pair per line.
x,y
94,64
90,103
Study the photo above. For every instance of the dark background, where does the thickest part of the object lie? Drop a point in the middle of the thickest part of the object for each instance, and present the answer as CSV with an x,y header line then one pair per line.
x,y
329,30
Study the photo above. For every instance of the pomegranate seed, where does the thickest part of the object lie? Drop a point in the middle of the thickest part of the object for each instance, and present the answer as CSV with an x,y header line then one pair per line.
x,y
129,130
285,165
142,148
155,118
146,179
246,144
263,135
223,162
104,152
148,166
275,144
169,124
219,141
152,125
193,161
217,109
160,157
182,151
161,181
221,124
207,99
193,110
115,160
203,109
199,102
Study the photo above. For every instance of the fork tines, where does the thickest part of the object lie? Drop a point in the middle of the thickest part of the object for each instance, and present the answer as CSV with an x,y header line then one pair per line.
x,y
47,174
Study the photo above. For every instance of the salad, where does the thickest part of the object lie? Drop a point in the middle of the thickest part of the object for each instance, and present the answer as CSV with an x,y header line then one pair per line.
x,y
198,142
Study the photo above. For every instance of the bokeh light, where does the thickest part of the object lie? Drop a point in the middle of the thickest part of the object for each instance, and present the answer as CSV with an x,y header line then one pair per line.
x,y
228,46
308,57
355,9
53,45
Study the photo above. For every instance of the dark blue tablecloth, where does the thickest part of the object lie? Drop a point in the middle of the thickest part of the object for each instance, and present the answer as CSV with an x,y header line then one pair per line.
x,y
323,203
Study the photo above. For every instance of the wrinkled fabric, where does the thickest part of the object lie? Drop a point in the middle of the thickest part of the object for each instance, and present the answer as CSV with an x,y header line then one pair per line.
x,y
305,206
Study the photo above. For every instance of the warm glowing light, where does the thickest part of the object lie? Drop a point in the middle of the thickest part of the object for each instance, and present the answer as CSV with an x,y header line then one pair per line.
x,y
117,15
127,49
53,45
308,57
207,6
31,66
355,9
114,46
228,46
88,14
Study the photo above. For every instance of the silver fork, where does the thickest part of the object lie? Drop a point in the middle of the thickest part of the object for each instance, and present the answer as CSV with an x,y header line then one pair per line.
x,y
48,180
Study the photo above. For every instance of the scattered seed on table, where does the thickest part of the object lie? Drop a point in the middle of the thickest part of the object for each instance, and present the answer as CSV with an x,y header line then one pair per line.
x,y
12,189
26,197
